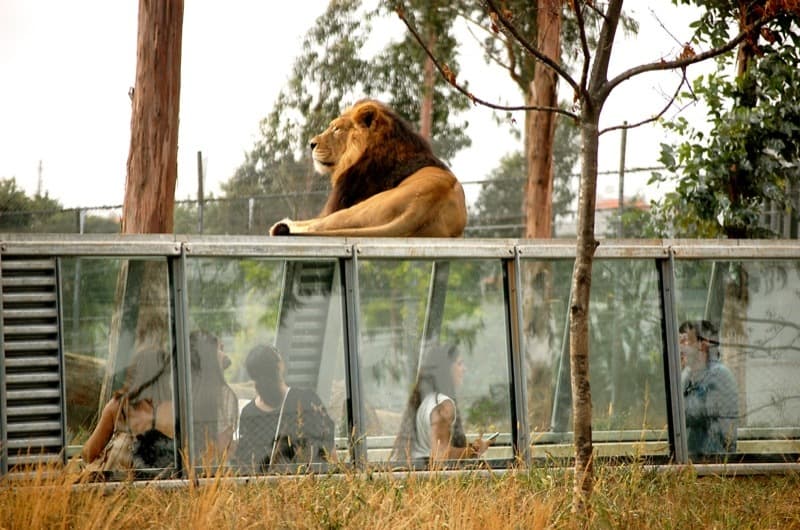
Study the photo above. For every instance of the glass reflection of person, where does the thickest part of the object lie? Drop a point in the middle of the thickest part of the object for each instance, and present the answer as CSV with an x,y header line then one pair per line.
x,y
214,404
710,392
432,429
282,424
143,407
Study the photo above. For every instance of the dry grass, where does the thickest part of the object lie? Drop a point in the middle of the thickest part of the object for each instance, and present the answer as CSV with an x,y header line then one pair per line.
x,y
625,497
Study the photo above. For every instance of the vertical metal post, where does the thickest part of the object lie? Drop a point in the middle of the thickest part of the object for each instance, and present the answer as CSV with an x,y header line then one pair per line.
x,y
350,311
200,193
621,204
181,367
251,202
434,312
562,393
672,362
512,279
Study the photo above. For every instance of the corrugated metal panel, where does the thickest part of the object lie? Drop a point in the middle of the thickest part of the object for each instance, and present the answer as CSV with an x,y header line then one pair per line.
x,y
32,385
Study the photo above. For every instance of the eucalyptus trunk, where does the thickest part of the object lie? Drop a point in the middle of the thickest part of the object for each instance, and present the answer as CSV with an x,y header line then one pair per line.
x,y
153,156
541,126
149,204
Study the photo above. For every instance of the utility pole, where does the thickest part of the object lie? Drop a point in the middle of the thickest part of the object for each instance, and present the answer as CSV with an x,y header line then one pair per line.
x,y
621,204
39,180
200,196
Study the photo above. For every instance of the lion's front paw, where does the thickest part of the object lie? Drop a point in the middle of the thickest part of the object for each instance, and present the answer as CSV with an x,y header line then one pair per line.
x,y
281,228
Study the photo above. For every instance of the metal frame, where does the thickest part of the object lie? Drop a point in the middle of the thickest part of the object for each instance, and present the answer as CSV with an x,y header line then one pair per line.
x,y
178,249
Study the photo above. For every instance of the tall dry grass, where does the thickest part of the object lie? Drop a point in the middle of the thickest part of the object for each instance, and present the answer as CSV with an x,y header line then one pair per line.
x,y
625,497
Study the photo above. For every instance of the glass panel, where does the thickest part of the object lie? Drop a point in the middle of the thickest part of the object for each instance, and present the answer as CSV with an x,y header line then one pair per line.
x,y
626,359
741,397
117,354
470,318
260,330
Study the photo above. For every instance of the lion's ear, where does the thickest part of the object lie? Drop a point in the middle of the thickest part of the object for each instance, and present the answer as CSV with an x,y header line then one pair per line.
x,y
366,115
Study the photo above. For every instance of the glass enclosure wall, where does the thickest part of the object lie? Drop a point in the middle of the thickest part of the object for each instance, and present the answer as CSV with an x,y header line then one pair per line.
x,y
740,358
271,355
420,322
250,343
118,342
626,362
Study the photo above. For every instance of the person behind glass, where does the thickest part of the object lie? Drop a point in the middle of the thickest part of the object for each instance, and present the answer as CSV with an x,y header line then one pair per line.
x,y
142,407
431,429
215,406
710,393
282,424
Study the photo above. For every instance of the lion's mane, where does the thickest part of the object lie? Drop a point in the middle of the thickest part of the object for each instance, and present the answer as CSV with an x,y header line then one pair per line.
x,y
381,152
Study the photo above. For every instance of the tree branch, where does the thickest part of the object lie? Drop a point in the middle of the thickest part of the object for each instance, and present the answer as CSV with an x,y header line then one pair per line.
x,y
602,56
495,14
587,57
450,77
511,67
688,57
654,118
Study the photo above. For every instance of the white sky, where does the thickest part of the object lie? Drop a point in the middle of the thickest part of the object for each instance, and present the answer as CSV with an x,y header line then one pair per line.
x,y
67,67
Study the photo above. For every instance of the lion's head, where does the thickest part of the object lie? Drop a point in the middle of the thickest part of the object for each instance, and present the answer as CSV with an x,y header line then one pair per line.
x,y
343,142
372,148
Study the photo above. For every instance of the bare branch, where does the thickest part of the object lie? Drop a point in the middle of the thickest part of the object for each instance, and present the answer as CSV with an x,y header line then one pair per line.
x,y
687,59
602,55
667,31
450,77
494,13
587,58
653,118
597,10
494,58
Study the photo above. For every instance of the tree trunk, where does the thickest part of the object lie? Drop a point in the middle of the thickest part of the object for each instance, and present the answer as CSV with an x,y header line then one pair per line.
x,y
152,170
153,157
542,125
579,312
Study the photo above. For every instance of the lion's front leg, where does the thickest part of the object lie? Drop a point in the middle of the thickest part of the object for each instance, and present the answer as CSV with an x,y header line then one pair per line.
x,y
287,227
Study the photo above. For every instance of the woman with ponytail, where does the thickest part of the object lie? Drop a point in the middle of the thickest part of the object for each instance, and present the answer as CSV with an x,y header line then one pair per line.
x,y
282,425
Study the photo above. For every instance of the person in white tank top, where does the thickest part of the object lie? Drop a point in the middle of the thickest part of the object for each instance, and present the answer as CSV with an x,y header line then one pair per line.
x,y
431,429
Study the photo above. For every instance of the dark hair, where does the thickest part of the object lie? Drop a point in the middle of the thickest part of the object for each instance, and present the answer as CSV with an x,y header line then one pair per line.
x,y
704,330
147,377
434,375
263,365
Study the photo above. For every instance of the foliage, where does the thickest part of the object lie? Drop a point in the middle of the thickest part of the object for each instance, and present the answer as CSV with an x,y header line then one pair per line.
x,y
750,155
40,213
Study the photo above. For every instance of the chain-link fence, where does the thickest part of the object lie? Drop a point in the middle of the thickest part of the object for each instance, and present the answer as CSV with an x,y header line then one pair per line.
x,y
255,214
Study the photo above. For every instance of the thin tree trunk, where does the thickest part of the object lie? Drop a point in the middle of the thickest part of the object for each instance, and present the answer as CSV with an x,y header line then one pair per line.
x,y
153,157
579,314
542,125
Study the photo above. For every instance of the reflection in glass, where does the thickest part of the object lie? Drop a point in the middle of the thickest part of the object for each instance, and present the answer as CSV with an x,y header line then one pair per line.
x,y
215,409
626,356
293,305
129,378
283,424
754,306
405,304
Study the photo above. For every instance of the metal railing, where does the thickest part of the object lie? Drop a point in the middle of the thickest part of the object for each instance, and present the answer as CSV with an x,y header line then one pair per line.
x,y
512,255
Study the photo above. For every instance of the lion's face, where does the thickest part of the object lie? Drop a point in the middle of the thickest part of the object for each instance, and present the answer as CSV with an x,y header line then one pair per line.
x,y
344,141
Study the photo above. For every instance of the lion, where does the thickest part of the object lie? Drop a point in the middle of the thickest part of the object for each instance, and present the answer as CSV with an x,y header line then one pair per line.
x,y
385,181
